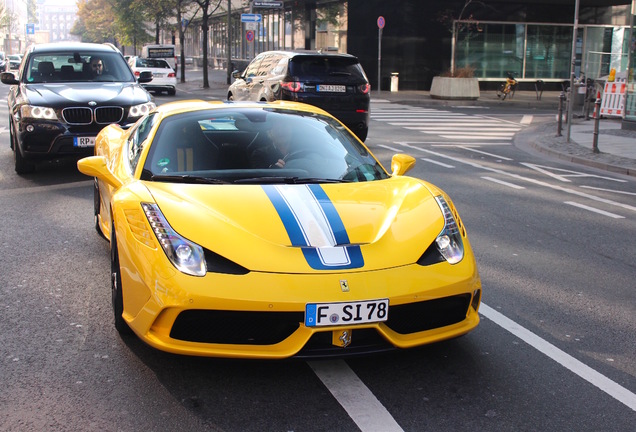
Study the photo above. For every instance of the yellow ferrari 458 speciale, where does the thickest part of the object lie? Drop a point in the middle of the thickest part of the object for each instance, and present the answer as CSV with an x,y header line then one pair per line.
x,y
268,230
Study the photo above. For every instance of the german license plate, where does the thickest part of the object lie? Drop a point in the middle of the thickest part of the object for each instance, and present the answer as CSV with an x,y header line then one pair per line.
x,y
332,88
83,141
346,313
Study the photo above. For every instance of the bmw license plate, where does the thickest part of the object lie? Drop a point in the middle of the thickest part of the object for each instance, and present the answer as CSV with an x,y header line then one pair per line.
x,y
331,88
83,141
347,313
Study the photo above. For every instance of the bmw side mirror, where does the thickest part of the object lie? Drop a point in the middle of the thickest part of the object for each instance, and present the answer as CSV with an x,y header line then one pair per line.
x,y
144,77
8,78
236,74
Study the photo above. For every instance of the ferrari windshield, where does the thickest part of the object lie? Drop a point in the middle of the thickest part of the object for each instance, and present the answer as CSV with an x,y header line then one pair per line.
x,y
257,145
77,66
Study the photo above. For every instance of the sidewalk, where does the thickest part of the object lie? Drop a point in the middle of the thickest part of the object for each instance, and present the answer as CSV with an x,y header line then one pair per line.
x,y
617,146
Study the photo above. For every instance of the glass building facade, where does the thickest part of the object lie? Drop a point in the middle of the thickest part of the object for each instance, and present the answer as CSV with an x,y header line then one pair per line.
x,y
539,51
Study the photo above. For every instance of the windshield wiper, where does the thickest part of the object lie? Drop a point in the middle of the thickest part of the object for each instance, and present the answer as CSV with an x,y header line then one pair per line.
x,y
288,180
186,178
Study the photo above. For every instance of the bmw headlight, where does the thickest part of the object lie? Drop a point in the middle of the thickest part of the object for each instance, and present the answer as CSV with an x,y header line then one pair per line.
x,y
186,256
449,242
37,112
140,110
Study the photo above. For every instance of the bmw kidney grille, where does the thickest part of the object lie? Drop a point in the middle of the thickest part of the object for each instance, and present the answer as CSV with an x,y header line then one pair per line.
x,y
100,115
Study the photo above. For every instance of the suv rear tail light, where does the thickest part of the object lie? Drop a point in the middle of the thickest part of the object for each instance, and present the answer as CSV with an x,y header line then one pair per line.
x,y
293,86
172,75
365,88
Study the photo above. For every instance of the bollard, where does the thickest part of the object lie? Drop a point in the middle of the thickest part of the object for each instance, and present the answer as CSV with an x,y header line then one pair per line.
x,y
597,119
560,115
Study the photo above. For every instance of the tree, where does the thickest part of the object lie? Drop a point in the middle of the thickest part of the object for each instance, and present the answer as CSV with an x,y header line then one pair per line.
x,y
183,9
469,28
32,12
131,20
122,22
205,9
161,11
94,21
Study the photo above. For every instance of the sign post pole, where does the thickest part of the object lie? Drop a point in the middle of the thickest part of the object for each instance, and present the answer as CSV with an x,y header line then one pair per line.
x,y
381,23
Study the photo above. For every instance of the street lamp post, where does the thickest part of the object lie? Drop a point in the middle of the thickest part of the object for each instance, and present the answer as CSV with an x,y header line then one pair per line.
x,y
572,68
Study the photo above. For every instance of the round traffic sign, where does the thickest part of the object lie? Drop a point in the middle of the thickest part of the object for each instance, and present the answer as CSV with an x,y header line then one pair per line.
x,y
249,35
381,22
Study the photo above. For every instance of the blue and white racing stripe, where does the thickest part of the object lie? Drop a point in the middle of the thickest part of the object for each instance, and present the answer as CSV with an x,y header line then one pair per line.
x,y
313,224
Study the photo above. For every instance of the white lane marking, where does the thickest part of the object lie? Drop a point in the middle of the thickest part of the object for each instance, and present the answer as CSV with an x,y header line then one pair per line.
x,y
475,137
518,177
526,119
437,163
459,128
609,190
501,182
362,406
605,384
569,173
594,209
484,153
430,119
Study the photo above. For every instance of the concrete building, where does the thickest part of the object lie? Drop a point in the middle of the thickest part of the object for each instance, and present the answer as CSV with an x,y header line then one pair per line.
x,y
56,18
13,26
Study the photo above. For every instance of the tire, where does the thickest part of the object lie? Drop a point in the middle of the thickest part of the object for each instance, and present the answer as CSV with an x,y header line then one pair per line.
x,y
116,287
22,165
172,92
230,97
96,208
362,134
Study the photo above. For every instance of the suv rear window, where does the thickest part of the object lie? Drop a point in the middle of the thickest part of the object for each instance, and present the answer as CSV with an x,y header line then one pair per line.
x,y
321,67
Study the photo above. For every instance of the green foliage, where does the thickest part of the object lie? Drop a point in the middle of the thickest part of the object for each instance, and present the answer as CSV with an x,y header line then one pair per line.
x,y
32,12
116,21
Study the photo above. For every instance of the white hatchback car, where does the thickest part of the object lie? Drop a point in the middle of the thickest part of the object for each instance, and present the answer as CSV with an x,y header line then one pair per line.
x,y
164,77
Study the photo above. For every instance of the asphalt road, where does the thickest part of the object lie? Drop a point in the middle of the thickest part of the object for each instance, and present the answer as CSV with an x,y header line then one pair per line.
x,y
554,351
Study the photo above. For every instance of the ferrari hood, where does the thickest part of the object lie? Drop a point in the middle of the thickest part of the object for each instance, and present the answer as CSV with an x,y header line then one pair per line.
x,y
58,95
292,228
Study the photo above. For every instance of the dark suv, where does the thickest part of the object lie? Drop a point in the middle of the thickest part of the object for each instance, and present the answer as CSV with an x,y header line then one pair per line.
x,y
334,82
65,93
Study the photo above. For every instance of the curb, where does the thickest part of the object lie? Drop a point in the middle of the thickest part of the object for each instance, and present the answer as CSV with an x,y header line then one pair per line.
x,y
545,142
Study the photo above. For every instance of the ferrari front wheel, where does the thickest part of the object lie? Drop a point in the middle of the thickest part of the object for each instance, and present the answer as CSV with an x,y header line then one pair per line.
x,y
116,288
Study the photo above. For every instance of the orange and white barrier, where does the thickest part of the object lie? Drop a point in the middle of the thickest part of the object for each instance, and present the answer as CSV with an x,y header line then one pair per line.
x,y
613,102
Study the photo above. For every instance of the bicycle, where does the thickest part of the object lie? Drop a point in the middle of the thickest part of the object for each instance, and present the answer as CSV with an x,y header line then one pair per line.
x,y
507,88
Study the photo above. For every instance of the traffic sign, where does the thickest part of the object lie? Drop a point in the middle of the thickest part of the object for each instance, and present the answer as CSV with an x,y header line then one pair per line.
x,y
249,35
251,17
381,22
30,29
268,4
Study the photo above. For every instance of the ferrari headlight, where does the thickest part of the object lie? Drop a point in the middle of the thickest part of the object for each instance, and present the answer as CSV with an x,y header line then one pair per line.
x,y
37,112
141,110
449,242
186,256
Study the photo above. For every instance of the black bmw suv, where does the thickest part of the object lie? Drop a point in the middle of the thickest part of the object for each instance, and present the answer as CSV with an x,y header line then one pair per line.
x,y
334,82
64,94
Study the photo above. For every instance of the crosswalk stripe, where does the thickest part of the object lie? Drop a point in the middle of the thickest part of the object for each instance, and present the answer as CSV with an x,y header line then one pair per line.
x,y
447,124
